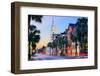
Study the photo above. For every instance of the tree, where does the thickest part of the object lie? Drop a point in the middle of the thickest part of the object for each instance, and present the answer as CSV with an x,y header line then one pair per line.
x,y
81,31
60,42
33,33
50,44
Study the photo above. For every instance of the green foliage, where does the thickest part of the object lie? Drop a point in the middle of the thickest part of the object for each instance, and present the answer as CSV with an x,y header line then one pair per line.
x,y
60,42
33,33
37,18
80,32
50,45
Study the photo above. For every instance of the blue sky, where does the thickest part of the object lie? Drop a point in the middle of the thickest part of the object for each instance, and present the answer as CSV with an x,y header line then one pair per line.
x,y
60,22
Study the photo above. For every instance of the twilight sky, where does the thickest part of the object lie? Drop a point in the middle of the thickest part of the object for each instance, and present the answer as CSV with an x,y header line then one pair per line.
x,y
61,23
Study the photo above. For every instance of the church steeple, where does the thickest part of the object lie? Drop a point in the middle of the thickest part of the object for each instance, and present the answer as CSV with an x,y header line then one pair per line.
x,y
53,29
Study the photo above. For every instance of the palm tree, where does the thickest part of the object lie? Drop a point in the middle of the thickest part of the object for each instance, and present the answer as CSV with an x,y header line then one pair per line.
x,y
33,33
61,42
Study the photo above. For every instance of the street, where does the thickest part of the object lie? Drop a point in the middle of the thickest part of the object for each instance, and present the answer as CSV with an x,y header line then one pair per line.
x,y
40,56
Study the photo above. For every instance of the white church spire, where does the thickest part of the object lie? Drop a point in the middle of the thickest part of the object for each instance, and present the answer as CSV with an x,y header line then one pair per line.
x,y
53,29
